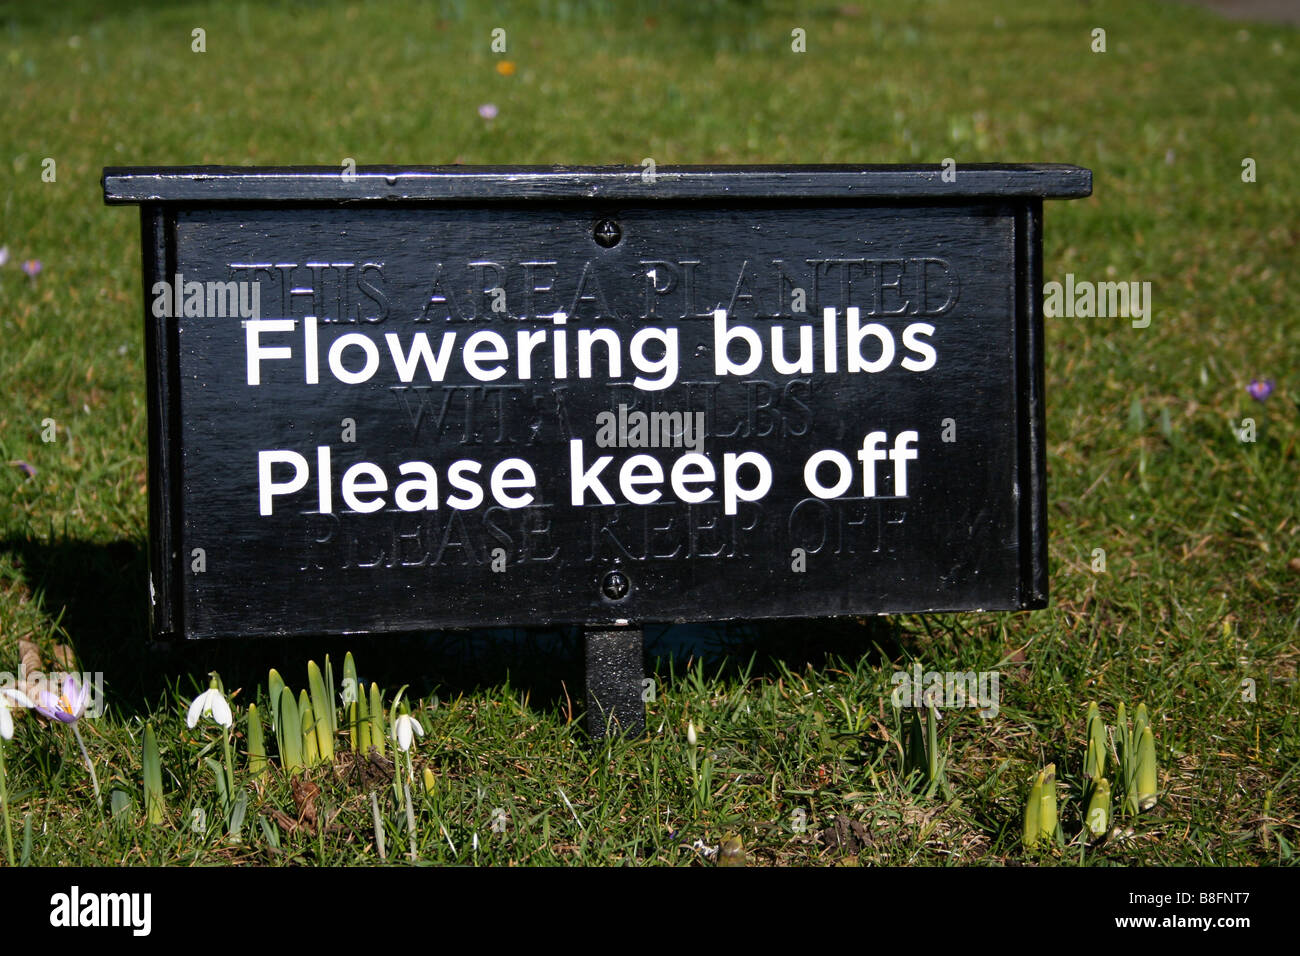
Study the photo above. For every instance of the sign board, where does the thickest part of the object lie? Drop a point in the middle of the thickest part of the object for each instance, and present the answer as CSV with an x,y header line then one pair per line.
x,y
417,398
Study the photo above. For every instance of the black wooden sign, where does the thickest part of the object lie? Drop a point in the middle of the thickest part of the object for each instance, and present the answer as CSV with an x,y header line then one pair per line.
x,y
412,398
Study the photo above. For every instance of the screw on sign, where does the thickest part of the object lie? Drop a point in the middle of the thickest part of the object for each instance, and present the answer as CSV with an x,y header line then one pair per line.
x,y
616,585
478,327
608,233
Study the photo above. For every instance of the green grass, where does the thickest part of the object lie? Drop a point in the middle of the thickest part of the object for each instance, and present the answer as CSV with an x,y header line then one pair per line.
x,y
1197,527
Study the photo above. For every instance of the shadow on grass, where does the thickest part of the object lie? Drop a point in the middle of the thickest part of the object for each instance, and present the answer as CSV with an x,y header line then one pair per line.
x,y
96,594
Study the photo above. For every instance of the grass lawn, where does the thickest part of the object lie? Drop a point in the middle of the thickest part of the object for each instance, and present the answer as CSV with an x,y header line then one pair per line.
x,y
800,754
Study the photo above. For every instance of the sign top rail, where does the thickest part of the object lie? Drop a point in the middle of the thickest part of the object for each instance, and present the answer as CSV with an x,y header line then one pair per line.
x,y
292,184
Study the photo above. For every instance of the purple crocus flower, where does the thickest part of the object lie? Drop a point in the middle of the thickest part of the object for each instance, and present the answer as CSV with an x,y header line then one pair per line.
x,y
32,267
1260,391
488,111
68,706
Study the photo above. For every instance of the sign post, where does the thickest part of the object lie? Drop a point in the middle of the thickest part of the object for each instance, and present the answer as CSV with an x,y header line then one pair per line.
x,y
403,399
